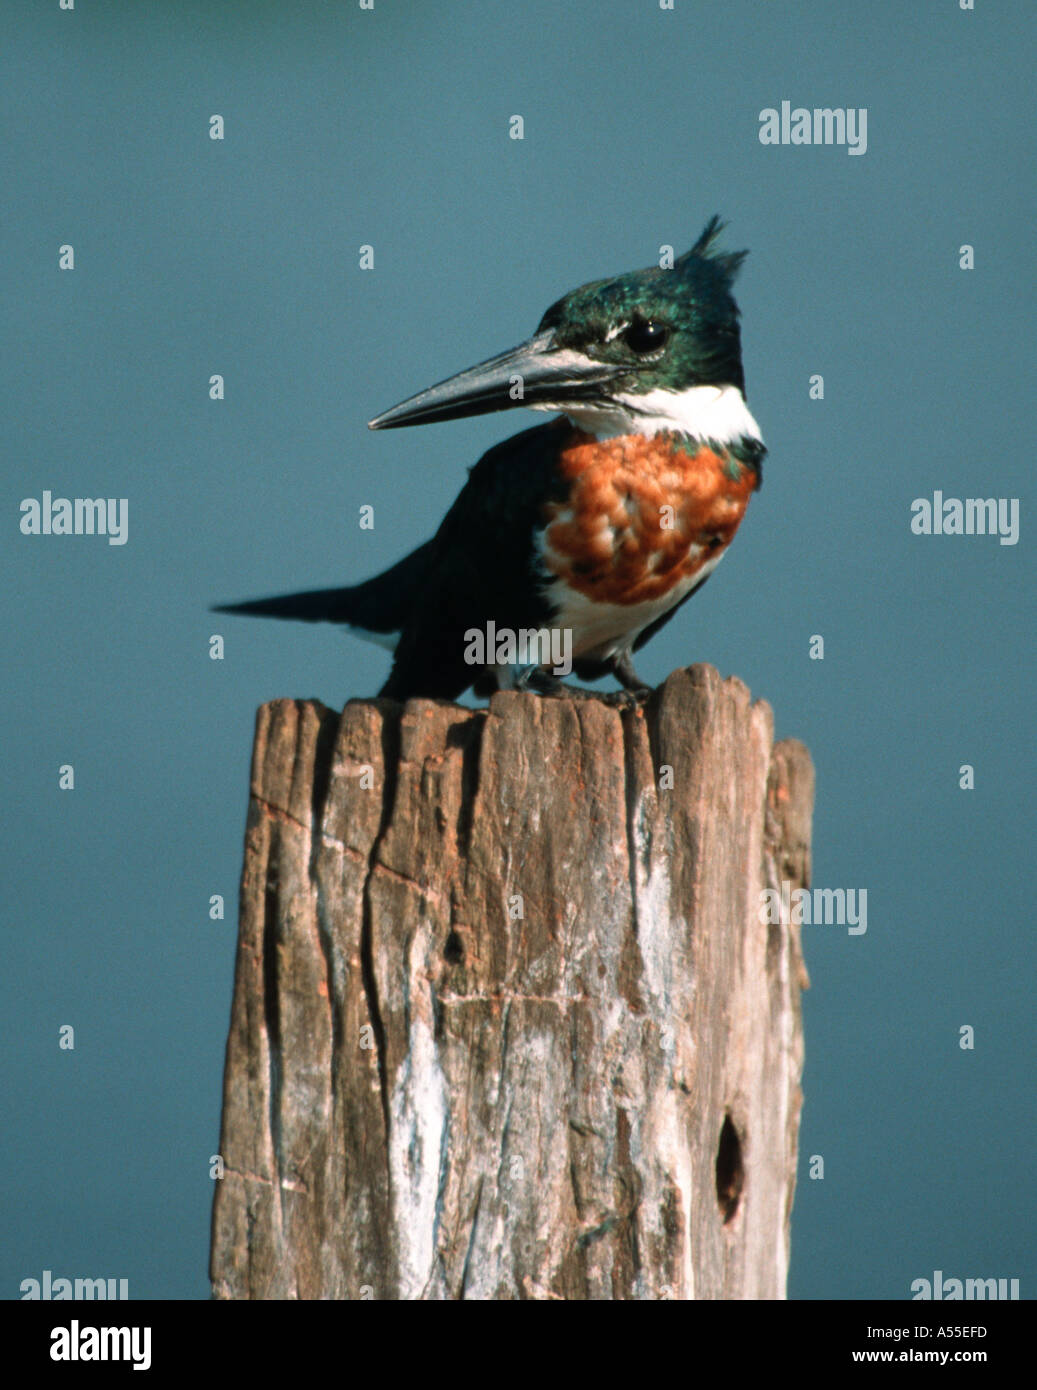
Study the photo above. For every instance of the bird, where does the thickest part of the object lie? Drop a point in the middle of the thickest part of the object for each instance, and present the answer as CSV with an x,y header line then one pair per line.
x,y
598,524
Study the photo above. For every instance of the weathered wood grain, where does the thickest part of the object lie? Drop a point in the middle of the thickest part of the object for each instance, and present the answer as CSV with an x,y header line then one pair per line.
x,y
506,1022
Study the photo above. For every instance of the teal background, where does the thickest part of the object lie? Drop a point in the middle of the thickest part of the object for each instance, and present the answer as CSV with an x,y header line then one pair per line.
x,y
390,127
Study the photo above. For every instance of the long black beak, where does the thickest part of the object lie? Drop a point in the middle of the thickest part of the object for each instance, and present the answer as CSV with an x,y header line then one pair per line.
x,y
534,373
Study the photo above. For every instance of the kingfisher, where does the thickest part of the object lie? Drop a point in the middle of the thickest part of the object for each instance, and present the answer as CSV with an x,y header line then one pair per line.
x,y
599,523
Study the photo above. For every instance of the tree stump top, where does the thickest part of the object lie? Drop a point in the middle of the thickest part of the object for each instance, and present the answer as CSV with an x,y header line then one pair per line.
x,y
506,1022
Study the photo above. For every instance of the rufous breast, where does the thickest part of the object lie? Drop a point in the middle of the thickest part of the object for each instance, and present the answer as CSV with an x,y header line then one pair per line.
x,y
642,514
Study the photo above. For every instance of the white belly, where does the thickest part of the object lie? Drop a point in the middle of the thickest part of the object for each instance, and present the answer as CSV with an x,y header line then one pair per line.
x,y
602,630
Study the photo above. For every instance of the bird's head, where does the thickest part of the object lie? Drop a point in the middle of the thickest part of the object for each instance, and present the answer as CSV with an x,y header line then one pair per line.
x,y
610,348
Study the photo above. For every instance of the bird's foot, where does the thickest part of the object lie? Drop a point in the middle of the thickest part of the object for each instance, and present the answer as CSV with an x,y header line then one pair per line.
x,y
623,670
626,699
553,688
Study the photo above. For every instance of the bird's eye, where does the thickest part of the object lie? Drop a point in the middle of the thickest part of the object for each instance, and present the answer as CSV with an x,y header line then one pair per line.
x,y
646,336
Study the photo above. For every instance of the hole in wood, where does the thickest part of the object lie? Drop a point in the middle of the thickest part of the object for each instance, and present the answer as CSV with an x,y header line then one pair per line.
x,y
730,1173
453,951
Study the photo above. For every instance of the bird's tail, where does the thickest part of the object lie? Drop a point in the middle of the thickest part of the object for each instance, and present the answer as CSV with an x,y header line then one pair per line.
x,y
380,606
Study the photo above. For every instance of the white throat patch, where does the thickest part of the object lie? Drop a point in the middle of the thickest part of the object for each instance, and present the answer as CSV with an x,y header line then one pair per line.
x,y
704,412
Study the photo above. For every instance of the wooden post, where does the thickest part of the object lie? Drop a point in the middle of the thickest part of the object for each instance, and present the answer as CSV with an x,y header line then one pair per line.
x,y
506,1021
